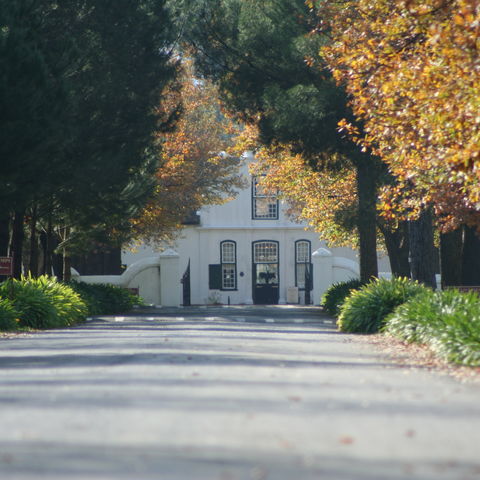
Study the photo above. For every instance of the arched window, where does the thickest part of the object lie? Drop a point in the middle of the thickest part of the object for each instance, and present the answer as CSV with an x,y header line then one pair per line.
x,y
228,260
302,263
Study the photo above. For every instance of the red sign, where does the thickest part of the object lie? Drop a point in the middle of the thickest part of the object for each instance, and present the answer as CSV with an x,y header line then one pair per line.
x,y
6,266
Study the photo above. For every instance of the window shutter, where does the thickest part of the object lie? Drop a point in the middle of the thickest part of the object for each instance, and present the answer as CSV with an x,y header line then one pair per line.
x,y
214,277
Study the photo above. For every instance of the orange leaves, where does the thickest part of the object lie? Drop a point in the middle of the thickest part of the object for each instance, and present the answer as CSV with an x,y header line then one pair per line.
x,y
412,70
192,169
316,197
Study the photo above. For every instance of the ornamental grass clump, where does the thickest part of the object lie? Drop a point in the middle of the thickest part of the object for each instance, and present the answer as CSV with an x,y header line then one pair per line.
x,y
43,302
8,315
335,296
448,322
69,306
364,311
34,308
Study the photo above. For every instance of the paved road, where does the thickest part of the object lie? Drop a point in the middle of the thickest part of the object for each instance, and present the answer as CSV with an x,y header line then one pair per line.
x,y
236,393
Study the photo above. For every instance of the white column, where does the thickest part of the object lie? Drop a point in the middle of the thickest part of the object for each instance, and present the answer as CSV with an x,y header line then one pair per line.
x,y
248,269
322,260
170,286
283,262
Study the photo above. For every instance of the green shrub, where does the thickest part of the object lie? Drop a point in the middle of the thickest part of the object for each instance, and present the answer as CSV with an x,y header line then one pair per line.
x,y
334,297
34,308
364,311
103,299
68,304
43,302
448,322
8,315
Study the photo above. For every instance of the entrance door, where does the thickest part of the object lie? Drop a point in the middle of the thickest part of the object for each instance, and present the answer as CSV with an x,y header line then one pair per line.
x,y
186,286
265,272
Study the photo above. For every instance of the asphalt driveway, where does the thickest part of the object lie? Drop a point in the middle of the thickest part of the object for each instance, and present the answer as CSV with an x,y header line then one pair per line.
x,y
233,393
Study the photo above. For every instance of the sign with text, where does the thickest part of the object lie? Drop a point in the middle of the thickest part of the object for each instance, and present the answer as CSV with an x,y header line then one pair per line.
x,y
6,266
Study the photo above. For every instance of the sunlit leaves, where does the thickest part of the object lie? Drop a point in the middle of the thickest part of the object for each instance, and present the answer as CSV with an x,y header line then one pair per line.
x,y
413,72
192,171
320,198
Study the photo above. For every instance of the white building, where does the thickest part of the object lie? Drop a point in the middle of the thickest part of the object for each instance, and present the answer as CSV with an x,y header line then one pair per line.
x,y
248,251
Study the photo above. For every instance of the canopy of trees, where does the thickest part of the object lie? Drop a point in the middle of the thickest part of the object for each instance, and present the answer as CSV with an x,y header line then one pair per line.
x,y
88,96
259,54
412,70
98,118
79,87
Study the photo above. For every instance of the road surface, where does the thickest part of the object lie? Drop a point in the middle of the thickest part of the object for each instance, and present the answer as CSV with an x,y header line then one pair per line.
x,y
232,393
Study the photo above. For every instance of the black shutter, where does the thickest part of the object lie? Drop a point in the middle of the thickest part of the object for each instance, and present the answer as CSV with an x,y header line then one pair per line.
x,y
214,277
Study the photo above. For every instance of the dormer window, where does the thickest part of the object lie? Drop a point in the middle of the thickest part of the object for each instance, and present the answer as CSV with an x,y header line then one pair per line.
x,y
264,206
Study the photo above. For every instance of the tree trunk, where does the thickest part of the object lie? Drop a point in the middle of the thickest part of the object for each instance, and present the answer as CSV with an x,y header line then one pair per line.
x,y
451,254
471,257
4,237
33,266
367,216
16,246
67,268
4,233
398,249
49,242
67,263
57,264
422,249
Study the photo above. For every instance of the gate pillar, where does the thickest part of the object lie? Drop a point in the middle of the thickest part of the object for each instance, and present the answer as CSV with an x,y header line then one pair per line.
x,y
322,260
170,286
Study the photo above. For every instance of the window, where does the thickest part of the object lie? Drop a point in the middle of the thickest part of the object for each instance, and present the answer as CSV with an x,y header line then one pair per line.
x,y
265,252
228,260
302,263
264,206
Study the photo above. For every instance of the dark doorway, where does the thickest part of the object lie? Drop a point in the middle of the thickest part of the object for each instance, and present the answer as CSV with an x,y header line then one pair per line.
x,y
265,272
186,286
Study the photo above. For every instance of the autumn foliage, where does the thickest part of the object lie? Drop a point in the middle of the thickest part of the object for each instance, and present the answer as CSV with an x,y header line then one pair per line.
x,y
412,70
192,171
318,197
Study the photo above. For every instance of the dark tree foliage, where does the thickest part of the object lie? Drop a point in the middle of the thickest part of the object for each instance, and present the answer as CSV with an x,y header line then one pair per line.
x,y
33,99
259,54
81,85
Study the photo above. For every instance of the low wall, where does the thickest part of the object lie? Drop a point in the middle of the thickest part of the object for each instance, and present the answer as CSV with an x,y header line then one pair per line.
x,y
155,278
328,269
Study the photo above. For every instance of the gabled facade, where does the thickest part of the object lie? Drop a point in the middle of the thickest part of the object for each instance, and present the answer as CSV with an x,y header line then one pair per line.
x,y
247,251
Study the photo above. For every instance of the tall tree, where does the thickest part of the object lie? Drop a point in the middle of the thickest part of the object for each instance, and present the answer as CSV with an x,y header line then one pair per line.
x,y
258,53
35,58
194,169
79,93
411,68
